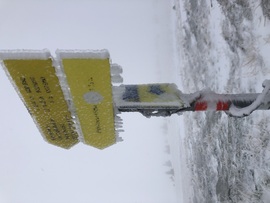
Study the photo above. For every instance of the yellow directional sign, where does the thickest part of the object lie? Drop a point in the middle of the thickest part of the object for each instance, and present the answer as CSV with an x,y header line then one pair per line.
x,y
89,80
39,87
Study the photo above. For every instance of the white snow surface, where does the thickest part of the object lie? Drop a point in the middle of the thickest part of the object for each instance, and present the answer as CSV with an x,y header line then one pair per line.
x,y
223,46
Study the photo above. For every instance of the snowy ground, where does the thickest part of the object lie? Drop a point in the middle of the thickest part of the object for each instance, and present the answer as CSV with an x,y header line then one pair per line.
x,y
222,45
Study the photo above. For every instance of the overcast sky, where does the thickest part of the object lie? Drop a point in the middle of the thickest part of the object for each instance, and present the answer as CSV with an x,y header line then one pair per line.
x,y
136,34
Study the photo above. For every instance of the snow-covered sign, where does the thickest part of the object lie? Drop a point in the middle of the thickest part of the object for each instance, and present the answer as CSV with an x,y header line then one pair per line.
x,y
73,97
32,73
69,98
88,82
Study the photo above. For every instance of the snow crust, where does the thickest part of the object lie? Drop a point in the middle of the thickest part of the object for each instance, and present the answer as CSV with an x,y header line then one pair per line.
x,y
116,69
24,54
117,79
92,54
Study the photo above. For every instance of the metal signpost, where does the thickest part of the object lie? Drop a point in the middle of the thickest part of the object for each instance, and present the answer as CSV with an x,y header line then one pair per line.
x,y
75,97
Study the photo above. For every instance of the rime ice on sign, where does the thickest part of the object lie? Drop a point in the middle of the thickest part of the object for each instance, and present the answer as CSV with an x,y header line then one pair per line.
x,y
89,82
34,78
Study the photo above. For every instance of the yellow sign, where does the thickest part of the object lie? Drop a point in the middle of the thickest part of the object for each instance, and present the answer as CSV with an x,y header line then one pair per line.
x,y
39,88
89,81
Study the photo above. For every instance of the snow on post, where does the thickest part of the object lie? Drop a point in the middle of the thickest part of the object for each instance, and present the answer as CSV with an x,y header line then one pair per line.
x,y
246,111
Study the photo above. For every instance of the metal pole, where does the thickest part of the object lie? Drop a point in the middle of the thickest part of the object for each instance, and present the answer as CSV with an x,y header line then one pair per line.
x,y
199,101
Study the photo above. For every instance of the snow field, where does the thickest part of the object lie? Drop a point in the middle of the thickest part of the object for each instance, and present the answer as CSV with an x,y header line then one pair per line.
x,y
222,45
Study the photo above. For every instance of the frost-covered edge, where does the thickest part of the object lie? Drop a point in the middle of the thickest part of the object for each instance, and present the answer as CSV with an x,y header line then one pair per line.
x,y
83,54
60,73
116,79
18,54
